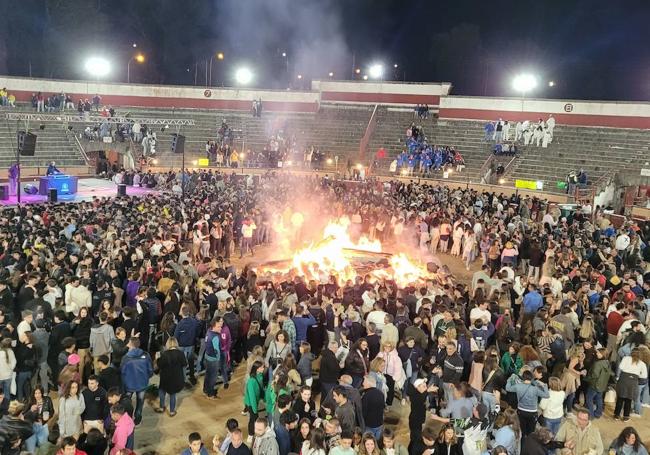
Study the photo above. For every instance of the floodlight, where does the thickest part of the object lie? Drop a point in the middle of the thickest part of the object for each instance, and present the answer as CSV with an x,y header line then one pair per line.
x,y
524,83
376,71
243,76
97,66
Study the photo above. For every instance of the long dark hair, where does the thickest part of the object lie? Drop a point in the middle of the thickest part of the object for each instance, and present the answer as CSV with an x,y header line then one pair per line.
x,y
627,431
255,367
317,440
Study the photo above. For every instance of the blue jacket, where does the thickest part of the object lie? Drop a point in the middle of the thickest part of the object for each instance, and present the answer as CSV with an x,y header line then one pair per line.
x,y
284,440
533,301
187,331
302,324
528,395
136,370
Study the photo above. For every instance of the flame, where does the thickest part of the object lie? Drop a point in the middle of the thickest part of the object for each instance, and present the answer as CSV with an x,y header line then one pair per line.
x,y
332,256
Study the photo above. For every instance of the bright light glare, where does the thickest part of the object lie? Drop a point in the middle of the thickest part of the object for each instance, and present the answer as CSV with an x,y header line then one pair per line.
x,y
220,56
524,83
551,84
243,76
502,181
365,77
284,54
331,74
97,66
329,161
139,58
300,76
376,71
395,65
359,166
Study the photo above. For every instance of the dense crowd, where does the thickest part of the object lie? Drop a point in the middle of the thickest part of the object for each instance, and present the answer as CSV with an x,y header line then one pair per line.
x,y
421,158
97,298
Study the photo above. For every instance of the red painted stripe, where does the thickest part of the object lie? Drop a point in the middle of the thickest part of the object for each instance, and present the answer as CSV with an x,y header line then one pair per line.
x,y
565,119
207,103
394,98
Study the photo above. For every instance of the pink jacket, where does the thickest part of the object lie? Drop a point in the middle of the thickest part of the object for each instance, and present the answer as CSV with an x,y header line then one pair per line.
x,y
393,364
123,429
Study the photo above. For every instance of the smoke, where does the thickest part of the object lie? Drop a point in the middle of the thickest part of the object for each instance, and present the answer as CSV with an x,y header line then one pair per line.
x,y
309,31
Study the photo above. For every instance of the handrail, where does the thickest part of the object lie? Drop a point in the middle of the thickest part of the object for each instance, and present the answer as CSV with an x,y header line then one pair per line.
x,y
365,140
79,146
484,167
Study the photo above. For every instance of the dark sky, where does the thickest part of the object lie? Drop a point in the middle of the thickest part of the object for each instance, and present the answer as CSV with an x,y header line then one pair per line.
x,y
591,49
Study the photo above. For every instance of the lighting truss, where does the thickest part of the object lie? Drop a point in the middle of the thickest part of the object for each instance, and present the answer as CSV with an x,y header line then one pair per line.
x,y
40,117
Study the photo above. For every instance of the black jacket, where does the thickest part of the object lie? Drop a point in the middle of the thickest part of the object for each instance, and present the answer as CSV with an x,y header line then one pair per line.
x,y
118,350
372,403
81,332
329,367
110,377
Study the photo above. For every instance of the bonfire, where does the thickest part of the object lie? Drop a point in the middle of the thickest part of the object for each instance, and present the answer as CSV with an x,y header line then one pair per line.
x,y
338,254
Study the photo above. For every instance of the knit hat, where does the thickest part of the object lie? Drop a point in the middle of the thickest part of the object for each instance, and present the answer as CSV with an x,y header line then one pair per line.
x,y
419,382
73,359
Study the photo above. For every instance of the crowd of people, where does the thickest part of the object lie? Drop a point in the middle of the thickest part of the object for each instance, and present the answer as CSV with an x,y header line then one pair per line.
x,y
502,132
423,159
100,297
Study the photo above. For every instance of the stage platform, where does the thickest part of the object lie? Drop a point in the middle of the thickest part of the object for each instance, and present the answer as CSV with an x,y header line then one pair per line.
x,y
87,189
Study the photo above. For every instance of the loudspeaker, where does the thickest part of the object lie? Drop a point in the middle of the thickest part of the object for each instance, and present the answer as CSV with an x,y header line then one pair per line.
x,y
30,189
26,143
52,195
178,143
121,189
4,192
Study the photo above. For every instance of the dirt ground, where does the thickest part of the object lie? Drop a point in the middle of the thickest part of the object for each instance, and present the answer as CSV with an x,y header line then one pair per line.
x,y
165,435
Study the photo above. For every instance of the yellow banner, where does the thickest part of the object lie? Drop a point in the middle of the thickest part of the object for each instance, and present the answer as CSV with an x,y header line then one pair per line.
x,y
526,184
204,162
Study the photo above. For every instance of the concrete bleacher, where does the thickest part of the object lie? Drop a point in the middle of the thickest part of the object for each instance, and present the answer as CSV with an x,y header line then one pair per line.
x,y
598,151
335,130
53,143
390,133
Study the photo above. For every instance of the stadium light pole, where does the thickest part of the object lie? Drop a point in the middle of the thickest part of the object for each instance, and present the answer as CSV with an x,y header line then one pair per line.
x,y
219,56
138,58
243,76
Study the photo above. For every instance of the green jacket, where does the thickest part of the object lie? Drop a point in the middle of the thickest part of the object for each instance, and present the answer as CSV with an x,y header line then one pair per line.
x,y
509,366
599,374
253,392
270,397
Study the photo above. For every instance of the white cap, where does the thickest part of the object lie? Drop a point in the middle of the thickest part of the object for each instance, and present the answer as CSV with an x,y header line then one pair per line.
x,y
419,382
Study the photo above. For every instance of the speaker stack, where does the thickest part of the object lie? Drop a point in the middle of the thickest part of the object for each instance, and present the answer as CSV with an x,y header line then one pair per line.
x,y
178,143
26,143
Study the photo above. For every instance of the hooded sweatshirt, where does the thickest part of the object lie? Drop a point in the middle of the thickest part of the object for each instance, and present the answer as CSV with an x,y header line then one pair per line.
x,y
136,370
123,429
266,444
101,336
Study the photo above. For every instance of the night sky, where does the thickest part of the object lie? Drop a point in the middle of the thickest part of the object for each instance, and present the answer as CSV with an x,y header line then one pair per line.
x,y
591,49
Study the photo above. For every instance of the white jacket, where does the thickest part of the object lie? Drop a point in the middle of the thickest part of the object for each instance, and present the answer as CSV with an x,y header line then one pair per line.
x,y
553,406
7,364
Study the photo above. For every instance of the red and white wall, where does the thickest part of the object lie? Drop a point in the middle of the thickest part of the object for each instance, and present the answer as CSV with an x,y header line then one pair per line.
x,y
390,93
579,113
436,95
165,96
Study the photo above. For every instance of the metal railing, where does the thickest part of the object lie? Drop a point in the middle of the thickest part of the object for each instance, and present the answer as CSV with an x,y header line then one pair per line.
x,y
370,129
80,147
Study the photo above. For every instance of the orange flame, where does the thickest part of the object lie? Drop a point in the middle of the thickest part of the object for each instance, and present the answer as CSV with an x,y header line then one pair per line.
x,y
328,257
